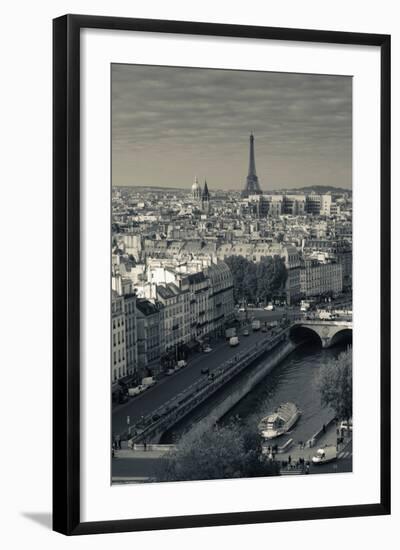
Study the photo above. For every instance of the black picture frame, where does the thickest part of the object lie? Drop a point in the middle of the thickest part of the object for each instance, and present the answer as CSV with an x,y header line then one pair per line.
x,y
66,273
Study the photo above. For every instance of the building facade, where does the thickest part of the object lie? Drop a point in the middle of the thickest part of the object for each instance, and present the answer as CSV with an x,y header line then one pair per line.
x,y
334,250
122,287
318,278
176,317
221,301
294,205
150,336
118,360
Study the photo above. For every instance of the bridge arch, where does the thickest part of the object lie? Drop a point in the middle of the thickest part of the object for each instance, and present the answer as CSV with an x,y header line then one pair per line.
x,y
300,333
343,335
328,333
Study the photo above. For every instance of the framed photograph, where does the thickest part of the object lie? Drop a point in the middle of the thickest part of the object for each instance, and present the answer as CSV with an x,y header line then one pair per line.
x,y
221,274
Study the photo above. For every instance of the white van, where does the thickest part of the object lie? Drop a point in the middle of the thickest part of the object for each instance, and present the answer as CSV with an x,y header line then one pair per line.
x,y
234,341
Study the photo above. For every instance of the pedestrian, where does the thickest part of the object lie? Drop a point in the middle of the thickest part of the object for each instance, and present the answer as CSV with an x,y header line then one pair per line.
x,y
324,428
118,441
145,445
307,469
289,460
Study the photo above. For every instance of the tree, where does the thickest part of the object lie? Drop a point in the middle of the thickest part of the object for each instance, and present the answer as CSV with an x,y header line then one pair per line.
x,y
228,451
336,385
254,282
271,277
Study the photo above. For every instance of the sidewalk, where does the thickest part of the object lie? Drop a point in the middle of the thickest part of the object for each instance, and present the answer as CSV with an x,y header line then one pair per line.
x,y
129,453
149,453
309,448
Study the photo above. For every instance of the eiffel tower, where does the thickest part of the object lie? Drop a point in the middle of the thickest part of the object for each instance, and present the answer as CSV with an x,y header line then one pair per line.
x,y
252,185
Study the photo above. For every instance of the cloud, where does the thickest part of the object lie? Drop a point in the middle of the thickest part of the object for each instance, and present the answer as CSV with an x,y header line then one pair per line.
x,y
166,117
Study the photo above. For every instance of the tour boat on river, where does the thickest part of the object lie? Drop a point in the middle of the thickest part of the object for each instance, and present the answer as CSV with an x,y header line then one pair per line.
x,y
280,421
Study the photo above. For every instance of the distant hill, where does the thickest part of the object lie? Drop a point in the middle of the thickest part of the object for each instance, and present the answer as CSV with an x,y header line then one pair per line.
x,y
318,189
151,188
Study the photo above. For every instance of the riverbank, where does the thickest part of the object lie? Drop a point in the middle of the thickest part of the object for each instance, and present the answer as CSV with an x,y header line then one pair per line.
x,y
298,457
218,406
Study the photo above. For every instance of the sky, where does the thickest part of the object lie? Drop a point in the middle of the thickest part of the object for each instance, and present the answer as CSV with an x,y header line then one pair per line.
x,y
171,124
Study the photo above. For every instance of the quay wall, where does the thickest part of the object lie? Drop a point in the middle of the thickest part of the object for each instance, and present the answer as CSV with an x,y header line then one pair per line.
x,y
265,366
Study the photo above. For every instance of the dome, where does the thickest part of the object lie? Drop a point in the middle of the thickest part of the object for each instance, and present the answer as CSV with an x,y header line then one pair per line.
x,y
195,186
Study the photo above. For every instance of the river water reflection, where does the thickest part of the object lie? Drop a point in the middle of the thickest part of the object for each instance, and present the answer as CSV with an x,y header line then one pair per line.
x,y
293,380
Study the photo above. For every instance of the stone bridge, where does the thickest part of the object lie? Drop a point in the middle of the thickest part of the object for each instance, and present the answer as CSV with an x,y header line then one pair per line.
x,y
329,331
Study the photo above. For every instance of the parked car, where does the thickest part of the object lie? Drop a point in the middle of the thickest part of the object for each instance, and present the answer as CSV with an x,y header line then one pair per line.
x,y
136,390
269,307
246,332
170,371
148,381
346,426
205,371
207,349
325,454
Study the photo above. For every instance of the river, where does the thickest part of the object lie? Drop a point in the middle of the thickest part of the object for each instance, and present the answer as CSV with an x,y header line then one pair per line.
x,y
294,379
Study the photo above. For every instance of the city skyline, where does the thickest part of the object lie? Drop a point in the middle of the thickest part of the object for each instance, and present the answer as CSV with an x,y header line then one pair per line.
x,y
170,124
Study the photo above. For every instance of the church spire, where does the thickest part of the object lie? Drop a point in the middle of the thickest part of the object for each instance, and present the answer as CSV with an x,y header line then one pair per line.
x,y
205,199
206,193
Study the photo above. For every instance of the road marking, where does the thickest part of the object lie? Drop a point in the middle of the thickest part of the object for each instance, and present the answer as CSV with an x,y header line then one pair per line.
x,y
344,454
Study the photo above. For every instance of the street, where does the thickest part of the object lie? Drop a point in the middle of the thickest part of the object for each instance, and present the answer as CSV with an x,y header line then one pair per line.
x,y
344,463
170,386
141,469
142,466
